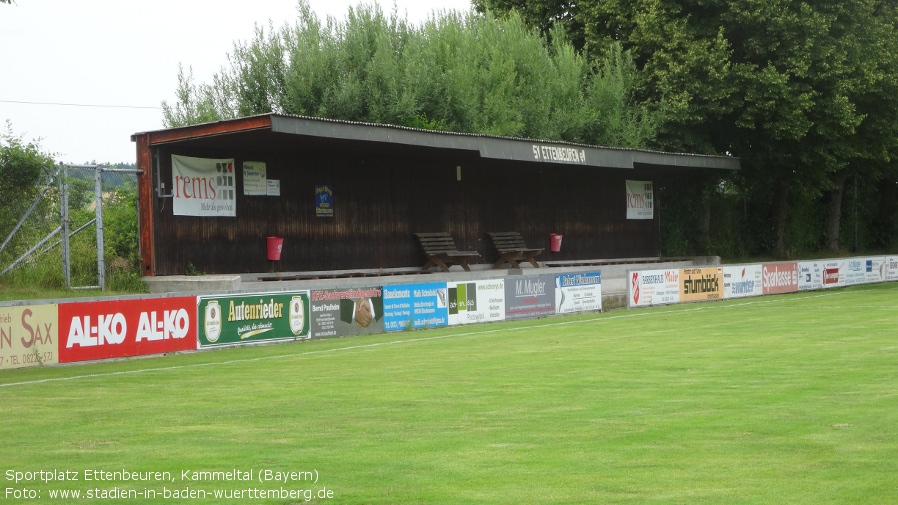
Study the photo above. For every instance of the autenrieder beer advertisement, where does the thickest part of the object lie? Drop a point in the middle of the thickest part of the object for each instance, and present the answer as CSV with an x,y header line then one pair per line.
x,y
230,320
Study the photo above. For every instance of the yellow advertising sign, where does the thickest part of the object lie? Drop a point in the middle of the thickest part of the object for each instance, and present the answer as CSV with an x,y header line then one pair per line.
x,y
28,336
701,284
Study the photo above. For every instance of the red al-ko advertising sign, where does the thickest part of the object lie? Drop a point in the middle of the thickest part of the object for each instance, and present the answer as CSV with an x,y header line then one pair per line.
x,y
120,328
780,277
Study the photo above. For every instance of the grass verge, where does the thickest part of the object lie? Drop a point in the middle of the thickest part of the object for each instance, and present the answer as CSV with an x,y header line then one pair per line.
x,y
782,399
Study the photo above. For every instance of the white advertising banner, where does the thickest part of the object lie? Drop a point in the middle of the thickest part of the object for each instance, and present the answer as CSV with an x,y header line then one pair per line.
x,y
203,187
874,269
640,200
892,268
653,287
578,293
863,270
810,275
742,280
476,301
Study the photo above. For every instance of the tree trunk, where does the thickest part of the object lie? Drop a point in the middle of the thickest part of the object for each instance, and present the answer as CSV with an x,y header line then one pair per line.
x,y
779,212
704,223
834,213
888,205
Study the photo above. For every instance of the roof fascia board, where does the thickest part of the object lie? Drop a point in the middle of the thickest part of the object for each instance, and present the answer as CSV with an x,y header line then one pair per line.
x,y
207,130
496,147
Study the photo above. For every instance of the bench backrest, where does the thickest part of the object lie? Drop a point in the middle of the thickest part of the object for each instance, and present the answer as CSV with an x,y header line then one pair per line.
x,y
434,243
507,240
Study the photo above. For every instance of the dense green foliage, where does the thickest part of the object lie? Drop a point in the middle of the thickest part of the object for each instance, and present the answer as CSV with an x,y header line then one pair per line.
x,y
456,72
806,94
24,171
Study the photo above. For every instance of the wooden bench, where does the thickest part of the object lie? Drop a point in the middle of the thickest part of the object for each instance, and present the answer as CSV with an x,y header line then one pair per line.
x,y
511,248
441,251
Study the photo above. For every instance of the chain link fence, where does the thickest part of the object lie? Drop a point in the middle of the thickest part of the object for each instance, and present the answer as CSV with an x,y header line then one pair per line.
x,y
80,232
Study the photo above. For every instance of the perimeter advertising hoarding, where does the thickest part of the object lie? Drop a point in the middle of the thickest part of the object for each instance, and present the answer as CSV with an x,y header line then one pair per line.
x,y
653,287
892,268
416,305
476,301
120,328
28,336
780,277
742,280
345,312
529,296
810,275
863,270
580,292
257,317
701,284
833,276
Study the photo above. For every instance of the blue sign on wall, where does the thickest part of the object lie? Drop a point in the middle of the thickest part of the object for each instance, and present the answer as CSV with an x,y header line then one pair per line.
x,y
324,201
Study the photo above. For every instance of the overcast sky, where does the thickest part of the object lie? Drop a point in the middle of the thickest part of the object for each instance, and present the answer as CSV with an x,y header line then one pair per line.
x,y
113,62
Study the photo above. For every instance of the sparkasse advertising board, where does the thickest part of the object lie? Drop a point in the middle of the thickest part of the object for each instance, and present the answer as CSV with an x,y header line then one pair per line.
x,y
780,277
120,328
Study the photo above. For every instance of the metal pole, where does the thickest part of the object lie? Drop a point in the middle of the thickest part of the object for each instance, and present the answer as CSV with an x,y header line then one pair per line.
x,y
64,217
98,195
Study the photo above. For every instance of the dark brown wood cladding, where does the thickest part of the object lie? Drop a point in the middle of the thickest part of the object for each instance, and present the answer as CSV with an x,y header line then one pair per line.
x,y
383,196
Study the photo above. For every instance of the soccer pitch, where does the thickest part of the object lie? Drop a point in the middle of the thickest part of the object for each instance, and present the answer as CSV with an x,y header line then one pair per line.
x,y
781,399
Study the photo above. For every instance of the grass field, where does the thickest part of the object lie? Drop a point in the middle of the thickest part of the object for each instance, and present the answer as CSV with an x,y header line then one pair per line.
x,y
789,399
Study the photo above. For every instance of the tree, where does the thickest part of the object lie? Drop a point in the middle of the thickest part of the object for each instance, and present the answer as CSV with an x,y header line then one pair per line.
x,y
464,73
784,84
23,170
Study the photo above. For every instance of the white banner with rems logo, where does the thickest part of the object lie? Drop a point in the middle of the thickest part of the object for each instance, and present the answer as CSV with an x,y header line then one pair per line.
x,y
203,187
640,200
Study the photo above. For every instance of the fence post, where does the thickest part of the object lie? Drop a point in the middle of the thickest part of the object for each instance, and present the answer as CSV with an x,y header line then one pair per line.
x,y
64,218
101,253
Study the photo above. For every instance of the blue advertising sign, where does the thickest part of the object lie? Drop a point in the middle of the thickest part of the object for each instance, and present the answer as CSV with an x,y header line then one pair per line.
x,y
419,305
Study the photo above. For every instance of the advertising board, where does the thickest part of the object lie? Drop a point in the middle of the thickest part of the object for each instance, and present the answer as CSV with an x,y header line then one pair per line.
x,y
120,328
742,280
476,301
832,274
701,284
233,319
892,268
529,296
345,312
780,277
653,287
810,275
416,305
28,336
581,292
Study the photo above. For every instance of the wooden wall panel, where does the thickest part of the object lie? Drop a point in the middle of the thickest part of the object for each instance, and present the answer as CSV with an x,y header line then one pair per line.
x,y
382,197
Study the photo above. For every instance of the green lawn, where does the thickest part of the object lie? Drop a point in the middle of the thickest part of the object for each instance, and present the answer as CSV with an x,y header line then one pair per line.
x,y
783,399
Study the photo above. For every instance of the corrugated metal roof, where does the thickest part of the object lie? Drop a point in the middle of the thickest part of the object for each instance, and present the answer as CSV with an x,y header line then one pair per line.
x,y
488,146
